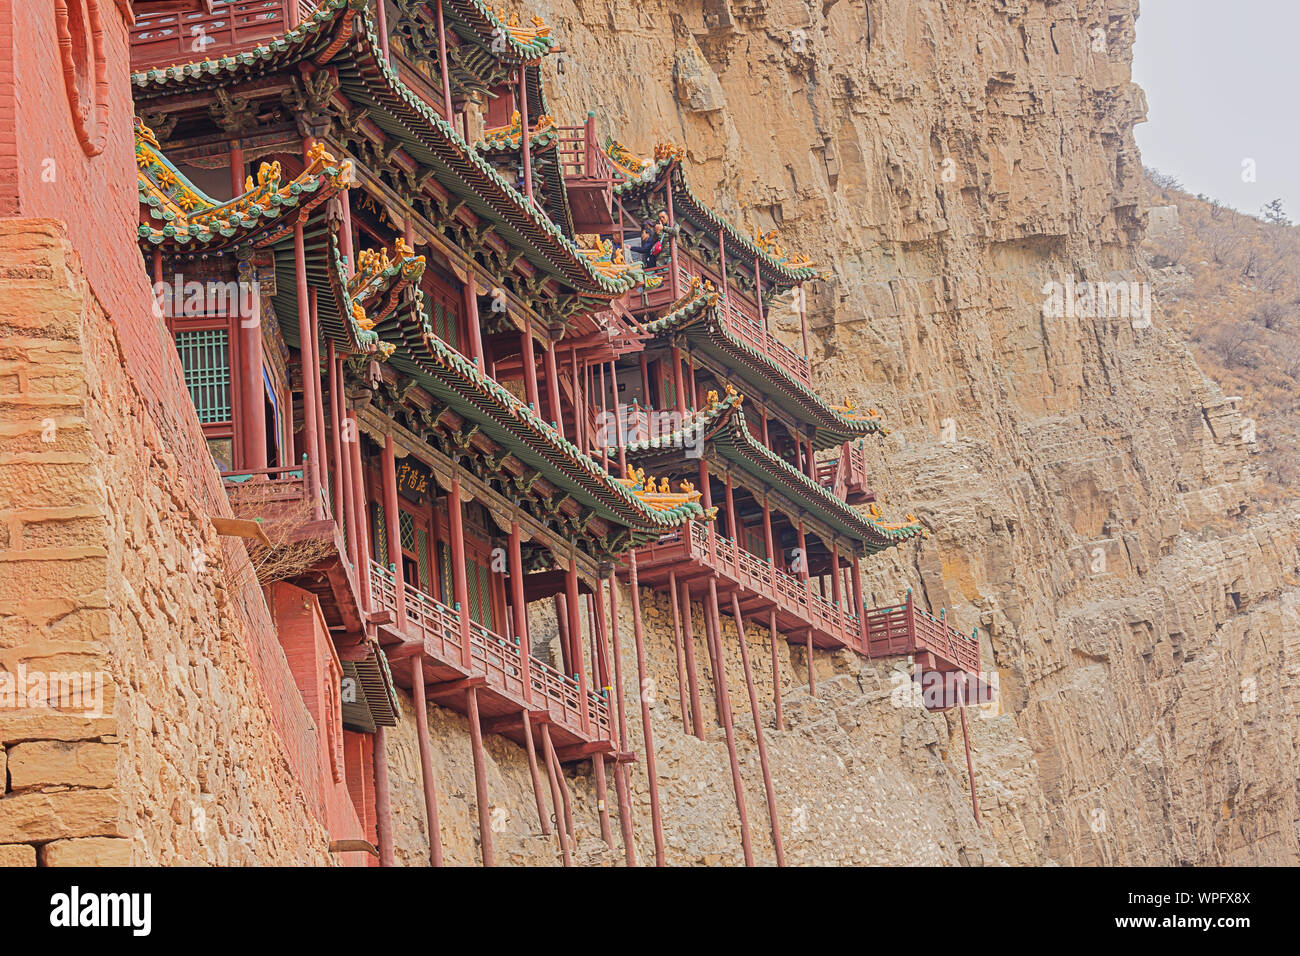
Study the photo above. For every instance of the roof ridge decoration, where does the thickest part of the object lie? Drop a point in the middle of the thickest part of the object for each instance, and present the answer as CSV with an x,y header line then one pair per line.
x,y
661,497
510,137
193,216
377,275
609,260
539,34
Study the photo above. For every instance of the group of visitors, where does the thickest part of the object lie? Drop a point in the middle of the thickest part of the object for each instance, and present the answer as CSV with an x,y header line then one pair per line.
x,y
654,241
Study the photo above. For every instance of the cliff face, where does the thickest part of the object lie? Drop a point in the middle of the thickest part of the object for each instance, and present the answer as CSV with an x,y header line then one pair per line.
x,y
1091,498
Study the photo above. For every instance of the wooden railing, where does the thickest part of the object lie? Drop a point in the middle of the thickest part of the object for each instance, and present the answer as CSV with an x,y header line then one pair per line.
x,y
907,629
846,475
741,317
492,656
580,154
189,33
757,575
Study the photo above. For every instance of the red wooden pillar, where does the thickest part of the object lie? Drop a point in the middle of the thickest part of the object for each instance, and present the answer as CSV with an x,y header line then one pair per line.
x,y
762,411
347,435
480,777
727,726
311,469
320,395
525,147
836,583
758,733
459,581
555,774
803,575
722,259
471,319
803,320
858,606
575,636
732,526
678,385
647,730
767,532
520,614
553,389
677,647
426,759
360,521
237,173
970,767
688,627
381,25
336,439
383,800
530,368
442,62
620,768
776,670
252,417
348,248
392,530
758,299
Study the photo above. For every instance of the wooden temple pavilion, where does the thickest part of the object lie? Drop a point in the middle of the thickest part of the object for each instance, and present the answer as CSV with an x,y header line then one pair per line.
x,y
405,346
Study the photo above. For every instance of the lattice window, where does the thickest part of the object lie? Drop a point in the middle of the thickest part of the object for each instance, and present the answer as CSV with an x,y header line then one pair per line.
x,y
755,541
406,528
381,533
205,358
422,557
444,575
480,594
446,323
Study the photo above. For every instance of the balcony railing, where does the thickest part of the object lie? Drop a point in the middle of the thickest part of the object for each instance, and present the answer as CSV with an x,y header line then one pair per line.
x,y
189,32
756,574
492,656
907,629
846,475
741,318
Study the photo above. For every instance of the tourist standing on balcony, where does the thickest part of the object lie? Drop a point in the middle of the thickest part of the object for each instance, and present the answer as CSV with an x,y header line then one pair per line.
x,y
649,247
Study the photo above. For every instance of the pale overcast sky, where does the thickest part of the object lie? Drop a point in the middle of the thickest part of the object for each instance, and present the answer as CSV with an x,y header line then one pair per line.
x,y
1222,79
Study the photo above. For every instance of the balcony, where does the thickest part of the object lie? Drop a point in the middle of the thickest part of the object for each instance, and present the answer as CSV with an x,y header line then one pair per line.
x,y
908,629
309,552
762,587
846,476
588,177
197,29
505,694
740,316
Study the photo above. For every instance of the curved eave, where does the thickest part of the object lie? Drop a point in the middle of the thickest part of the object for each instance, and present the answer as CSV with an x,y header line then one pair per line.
x,y
726,431
699,323
685,200
445,373
325,273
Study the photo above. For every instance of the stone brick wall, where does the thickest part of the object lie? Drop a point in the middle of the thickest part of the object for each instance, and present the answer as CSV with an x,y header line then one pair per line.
x,y
109,566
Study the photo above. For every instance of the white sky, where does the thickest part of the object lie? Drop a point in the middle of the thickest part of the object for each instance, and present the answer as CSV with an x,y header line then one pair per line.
x,y
1222,79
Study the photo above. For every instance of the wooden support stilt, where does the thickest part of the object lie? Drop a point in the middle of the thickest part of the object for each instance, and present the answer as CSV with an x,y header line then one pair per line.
x,y
562,627
688,625
536,775
480,778
555,775
426,759
727,726
656,816
383,800
602,805
677,647
621,787
812,674
776,671
388,467
713,636
970,767
758,732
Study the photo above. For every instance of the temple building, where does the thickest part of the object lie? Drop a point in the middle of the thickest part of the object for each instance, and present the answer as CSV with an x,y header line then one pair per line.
x,y
470,378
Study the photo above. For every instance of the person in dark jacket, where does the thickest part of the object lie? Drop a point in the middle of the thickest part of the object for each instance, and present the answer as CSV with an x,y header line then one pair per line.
x,y
649,247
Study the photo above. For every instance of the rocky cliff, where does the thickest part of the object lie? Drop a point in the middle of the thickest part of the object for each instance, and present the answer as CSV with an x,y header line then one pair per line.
x,y
1092,502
